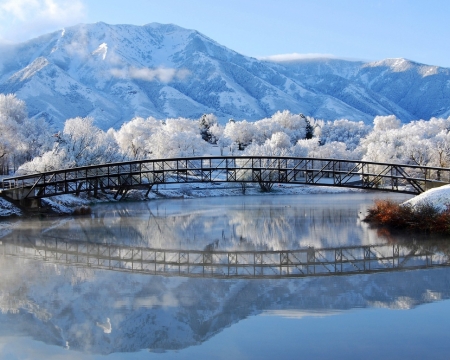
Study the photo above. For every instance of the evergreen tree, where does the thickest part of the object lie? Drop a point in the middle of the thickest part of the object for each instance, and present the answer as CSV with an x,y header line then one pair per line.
x,y
309,128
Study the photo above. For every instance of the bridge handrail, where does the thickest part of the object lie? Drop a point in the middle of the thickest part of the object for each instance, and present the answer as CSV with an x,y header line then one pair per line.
x,y
134,162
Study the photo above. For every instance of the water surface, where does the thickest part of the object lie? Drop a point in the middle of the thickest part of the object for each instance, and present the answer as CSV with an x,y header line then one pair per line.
x,y
57,309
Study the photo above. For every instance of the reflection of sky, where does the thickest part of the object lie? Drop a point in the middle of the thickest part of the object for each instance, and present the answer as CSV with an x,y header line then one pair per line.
x,y
359,334
369,334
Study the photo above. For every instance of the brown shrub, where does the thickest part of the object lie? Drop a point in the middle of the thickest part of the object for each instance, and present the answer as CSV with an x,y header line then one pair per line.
x,y
423,217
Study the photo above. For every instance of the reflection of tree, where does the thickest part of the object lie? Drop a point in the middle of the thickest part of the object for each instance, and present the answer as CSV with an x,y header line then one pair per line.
x,y
260,223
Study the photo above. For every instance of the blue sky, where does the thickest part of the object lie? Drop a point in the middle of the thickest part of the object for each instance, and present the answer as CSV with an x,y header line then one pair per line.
x,y
352,29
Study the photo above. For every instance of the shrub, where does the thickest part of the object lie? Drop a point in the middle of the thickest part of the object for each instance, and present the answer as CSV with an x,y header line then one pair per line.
x,y
423,217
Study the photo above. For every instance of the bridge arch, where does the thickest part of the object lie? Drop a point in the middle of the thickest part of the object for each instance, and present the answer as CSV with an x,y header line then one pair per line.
x,y
264,170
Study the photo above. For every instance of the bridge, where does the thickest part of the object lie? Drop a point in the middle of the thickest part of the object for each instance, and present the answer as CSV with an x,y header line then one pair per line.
x,y
307,262
263,170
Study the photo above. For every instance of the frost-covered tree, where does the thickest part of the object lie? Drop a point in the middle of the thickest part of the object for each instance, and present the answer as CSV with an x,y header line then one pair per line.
x,y
80,144
176,138
441,149
278,145
345,131
383,123
415,143
239,132
293,125
331,150
12,114
217,137
38,138
279,140
385,143
13,108
133,137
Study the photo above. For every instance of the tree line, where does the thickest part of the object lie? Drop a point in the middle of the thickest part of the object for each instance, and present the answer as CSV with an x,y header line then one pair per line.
x,y
29,145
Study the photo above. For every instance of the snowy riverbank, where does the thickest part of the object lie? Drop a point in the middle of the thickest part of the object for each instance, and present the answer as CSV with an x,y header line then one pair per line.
x,y
66,204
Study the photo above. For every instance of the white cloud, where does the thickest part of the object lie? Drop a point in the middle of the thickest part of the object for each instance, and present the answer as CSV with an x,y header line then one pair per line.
x,y
295,57
23,19
162,74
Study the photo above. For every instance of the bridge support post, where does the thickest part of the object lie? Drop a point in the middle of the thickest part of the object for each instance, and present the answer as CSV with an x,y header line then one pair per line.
x,y
149,189
30,203
96,188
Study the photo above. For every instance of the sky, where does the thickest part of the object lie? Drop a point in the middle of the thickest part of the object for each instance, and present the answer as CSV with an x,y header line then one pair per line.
x,y
365,30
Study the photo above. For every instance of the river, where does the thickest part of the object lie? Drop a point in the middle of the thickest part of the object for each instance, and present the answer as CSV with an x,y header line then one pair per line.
x,y
126,282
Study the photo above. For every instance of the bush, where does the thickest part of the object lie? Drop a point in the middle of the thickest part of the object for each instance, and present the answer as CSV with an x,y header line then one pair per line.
x,y
423,217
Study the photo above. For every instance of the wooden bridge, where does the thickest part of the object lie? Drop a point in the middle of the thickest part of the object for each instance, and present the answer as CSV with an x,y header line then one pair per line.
x,y
264,170
228,264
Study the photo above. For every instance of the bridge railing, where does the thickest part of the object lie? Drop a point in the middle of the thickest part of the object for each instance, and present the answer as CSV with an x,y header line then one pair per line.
x,y
269,169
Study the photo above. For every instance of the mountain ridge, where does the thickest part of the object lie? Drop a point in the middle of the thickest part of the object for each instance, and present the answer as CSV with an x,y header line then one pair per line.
x,y
117,72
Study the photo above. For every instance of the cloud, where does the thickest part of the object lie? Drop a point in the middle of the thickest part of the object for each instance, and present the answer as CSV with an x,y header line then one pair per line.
x,y
22,19
295,57
162,74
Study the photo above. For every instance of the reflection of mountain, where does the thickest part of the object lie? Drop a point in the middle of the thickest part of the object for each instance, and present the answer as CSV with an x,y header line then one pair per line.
x,y
58,304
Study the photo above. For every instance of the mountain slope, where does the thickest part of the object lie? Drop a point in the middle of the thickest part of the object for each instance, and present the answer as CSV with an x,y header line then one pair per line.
x,y
407,89
116,72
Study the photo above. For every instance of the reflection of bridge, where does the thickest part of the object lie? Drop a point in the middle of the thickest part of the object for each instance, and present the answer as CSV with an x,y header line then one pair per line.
x,y
229,264
238,169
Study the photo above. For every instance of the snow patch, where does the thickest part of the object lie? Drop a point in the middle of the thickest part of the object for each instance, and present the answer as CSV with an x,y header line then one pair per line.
x,y
396,65
102,50
428,70
64,204
438,197
8,209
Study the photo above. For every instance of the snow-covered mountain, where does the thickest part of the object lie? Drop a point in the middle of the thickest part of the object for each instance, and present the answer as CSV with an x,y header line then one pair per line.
x,y
116,72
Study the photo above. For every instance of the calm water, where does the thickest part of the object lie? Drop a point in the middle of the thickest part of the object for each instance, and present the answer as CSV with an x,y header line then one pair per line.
x,y
53,309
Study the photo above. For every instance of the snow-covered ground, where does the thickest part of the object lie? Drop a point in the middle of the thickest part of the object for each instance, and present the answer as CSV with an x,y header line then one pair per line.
x,y
8,209
61,204
438,197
